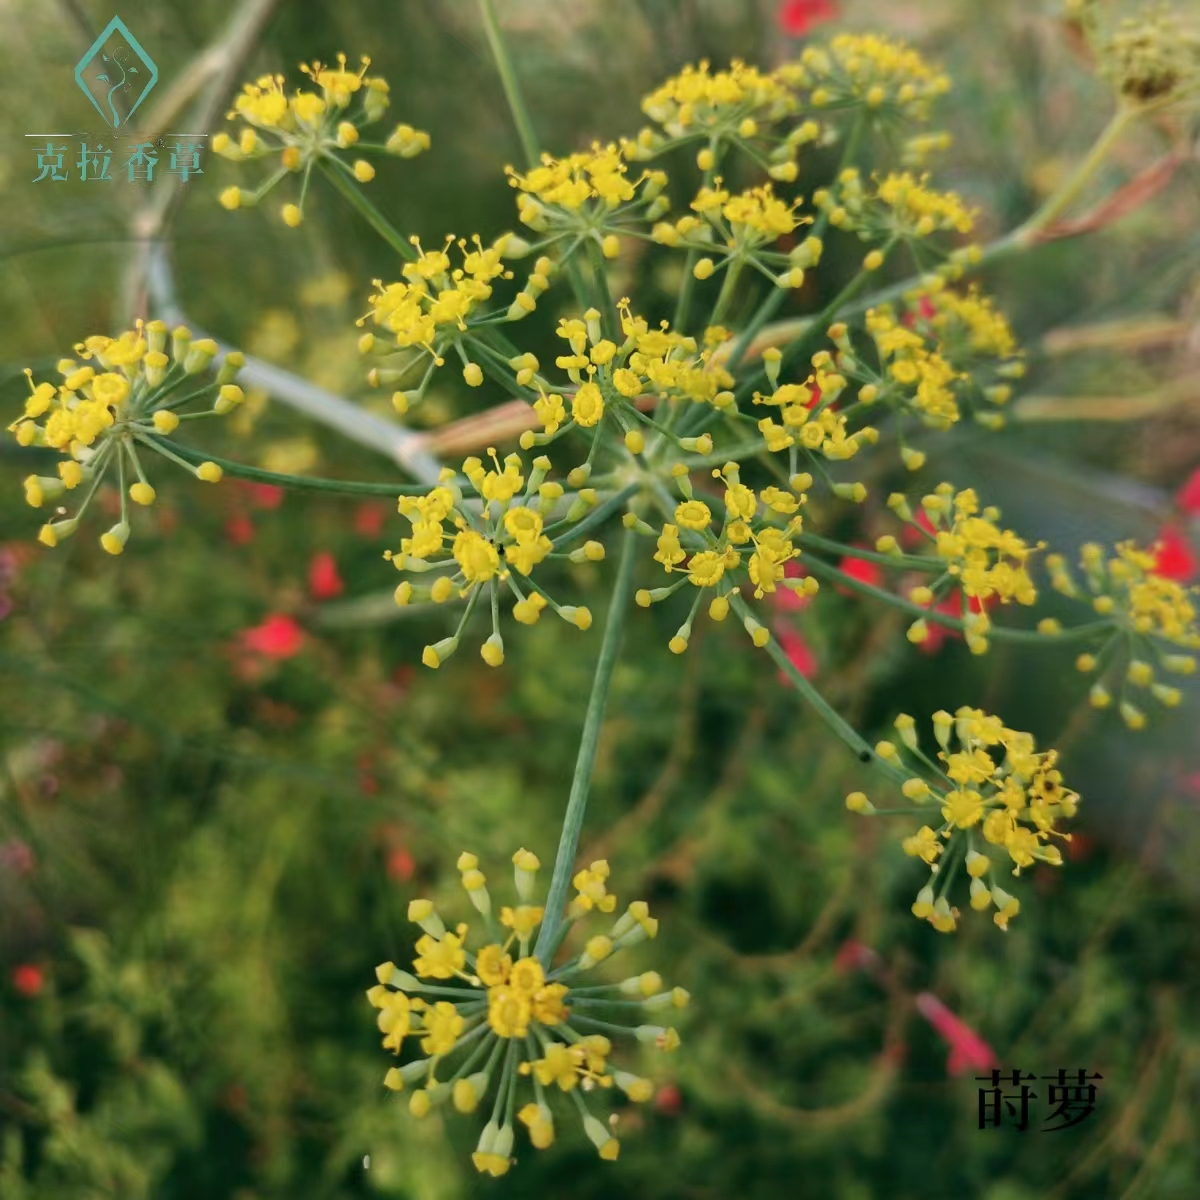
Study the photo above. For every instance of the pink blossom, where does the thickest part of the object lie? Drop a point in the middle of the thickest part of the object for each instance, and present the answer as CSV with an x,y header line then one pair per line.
x,y
265,495
1188,496
369,518
239,529
968,1051
797,17
799,652
853,955
28,979
324,582
1175,558
279,636
861,569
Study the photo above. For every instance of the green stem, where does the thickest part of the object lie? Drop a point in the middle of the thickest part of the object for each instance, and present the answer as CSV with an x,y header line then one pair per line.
x,y
589,739
684,301
833,719
998,633
772,304
309,483
725,296
813,331
508,80
366,209
597,516
608,310
1061,200
813,541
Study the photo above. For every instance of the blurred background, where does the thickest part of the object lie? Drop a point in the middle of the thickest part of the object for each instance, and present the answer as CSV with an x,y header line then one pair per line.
x,y
222,778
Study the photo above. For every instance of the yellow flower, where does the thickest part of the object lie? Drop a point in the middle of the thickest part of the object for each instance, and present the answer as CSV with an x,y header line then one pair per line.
x,y
587,405
395,1019
526,977
1013,793
443,1025
440,958
591,888
509,1012
476,556
693,514
963,808
103,417
509,1023
923,844
492,965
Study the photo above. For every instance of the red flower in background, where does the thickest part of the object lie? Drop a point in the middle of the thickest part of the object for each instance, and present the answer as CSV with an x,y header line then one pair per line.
x,y
786,600
797,17
279,636
910,537
968,1051
668,1100
369,518
324,582
853,955
862,570
400,864
1188,496
28,979
1175,557
265,495
799,652
239,529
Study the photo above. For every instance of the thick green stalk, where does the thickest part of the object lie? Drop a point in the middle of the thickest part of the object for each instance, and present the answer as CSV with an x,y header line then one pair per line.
x,y
1062,199
813,541
857,743
725,297
508,80
581,784
309,483
373,216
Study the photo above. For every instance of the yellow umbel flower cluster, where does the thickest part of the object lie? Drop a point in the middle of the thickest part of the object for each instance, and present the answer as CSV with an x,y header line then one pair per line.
x,y
752,543
1144,610
737,229
517,1022
588,195
996,794
984,562
699,100
914,376
607,379
308,127
486,544
116,395
941,349
885,76
899,207
809,419
429,312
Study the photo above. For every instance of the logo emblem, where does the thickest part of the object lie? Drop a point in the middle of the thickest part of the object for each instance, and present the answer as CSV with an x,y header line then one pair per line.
x,y
116,74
